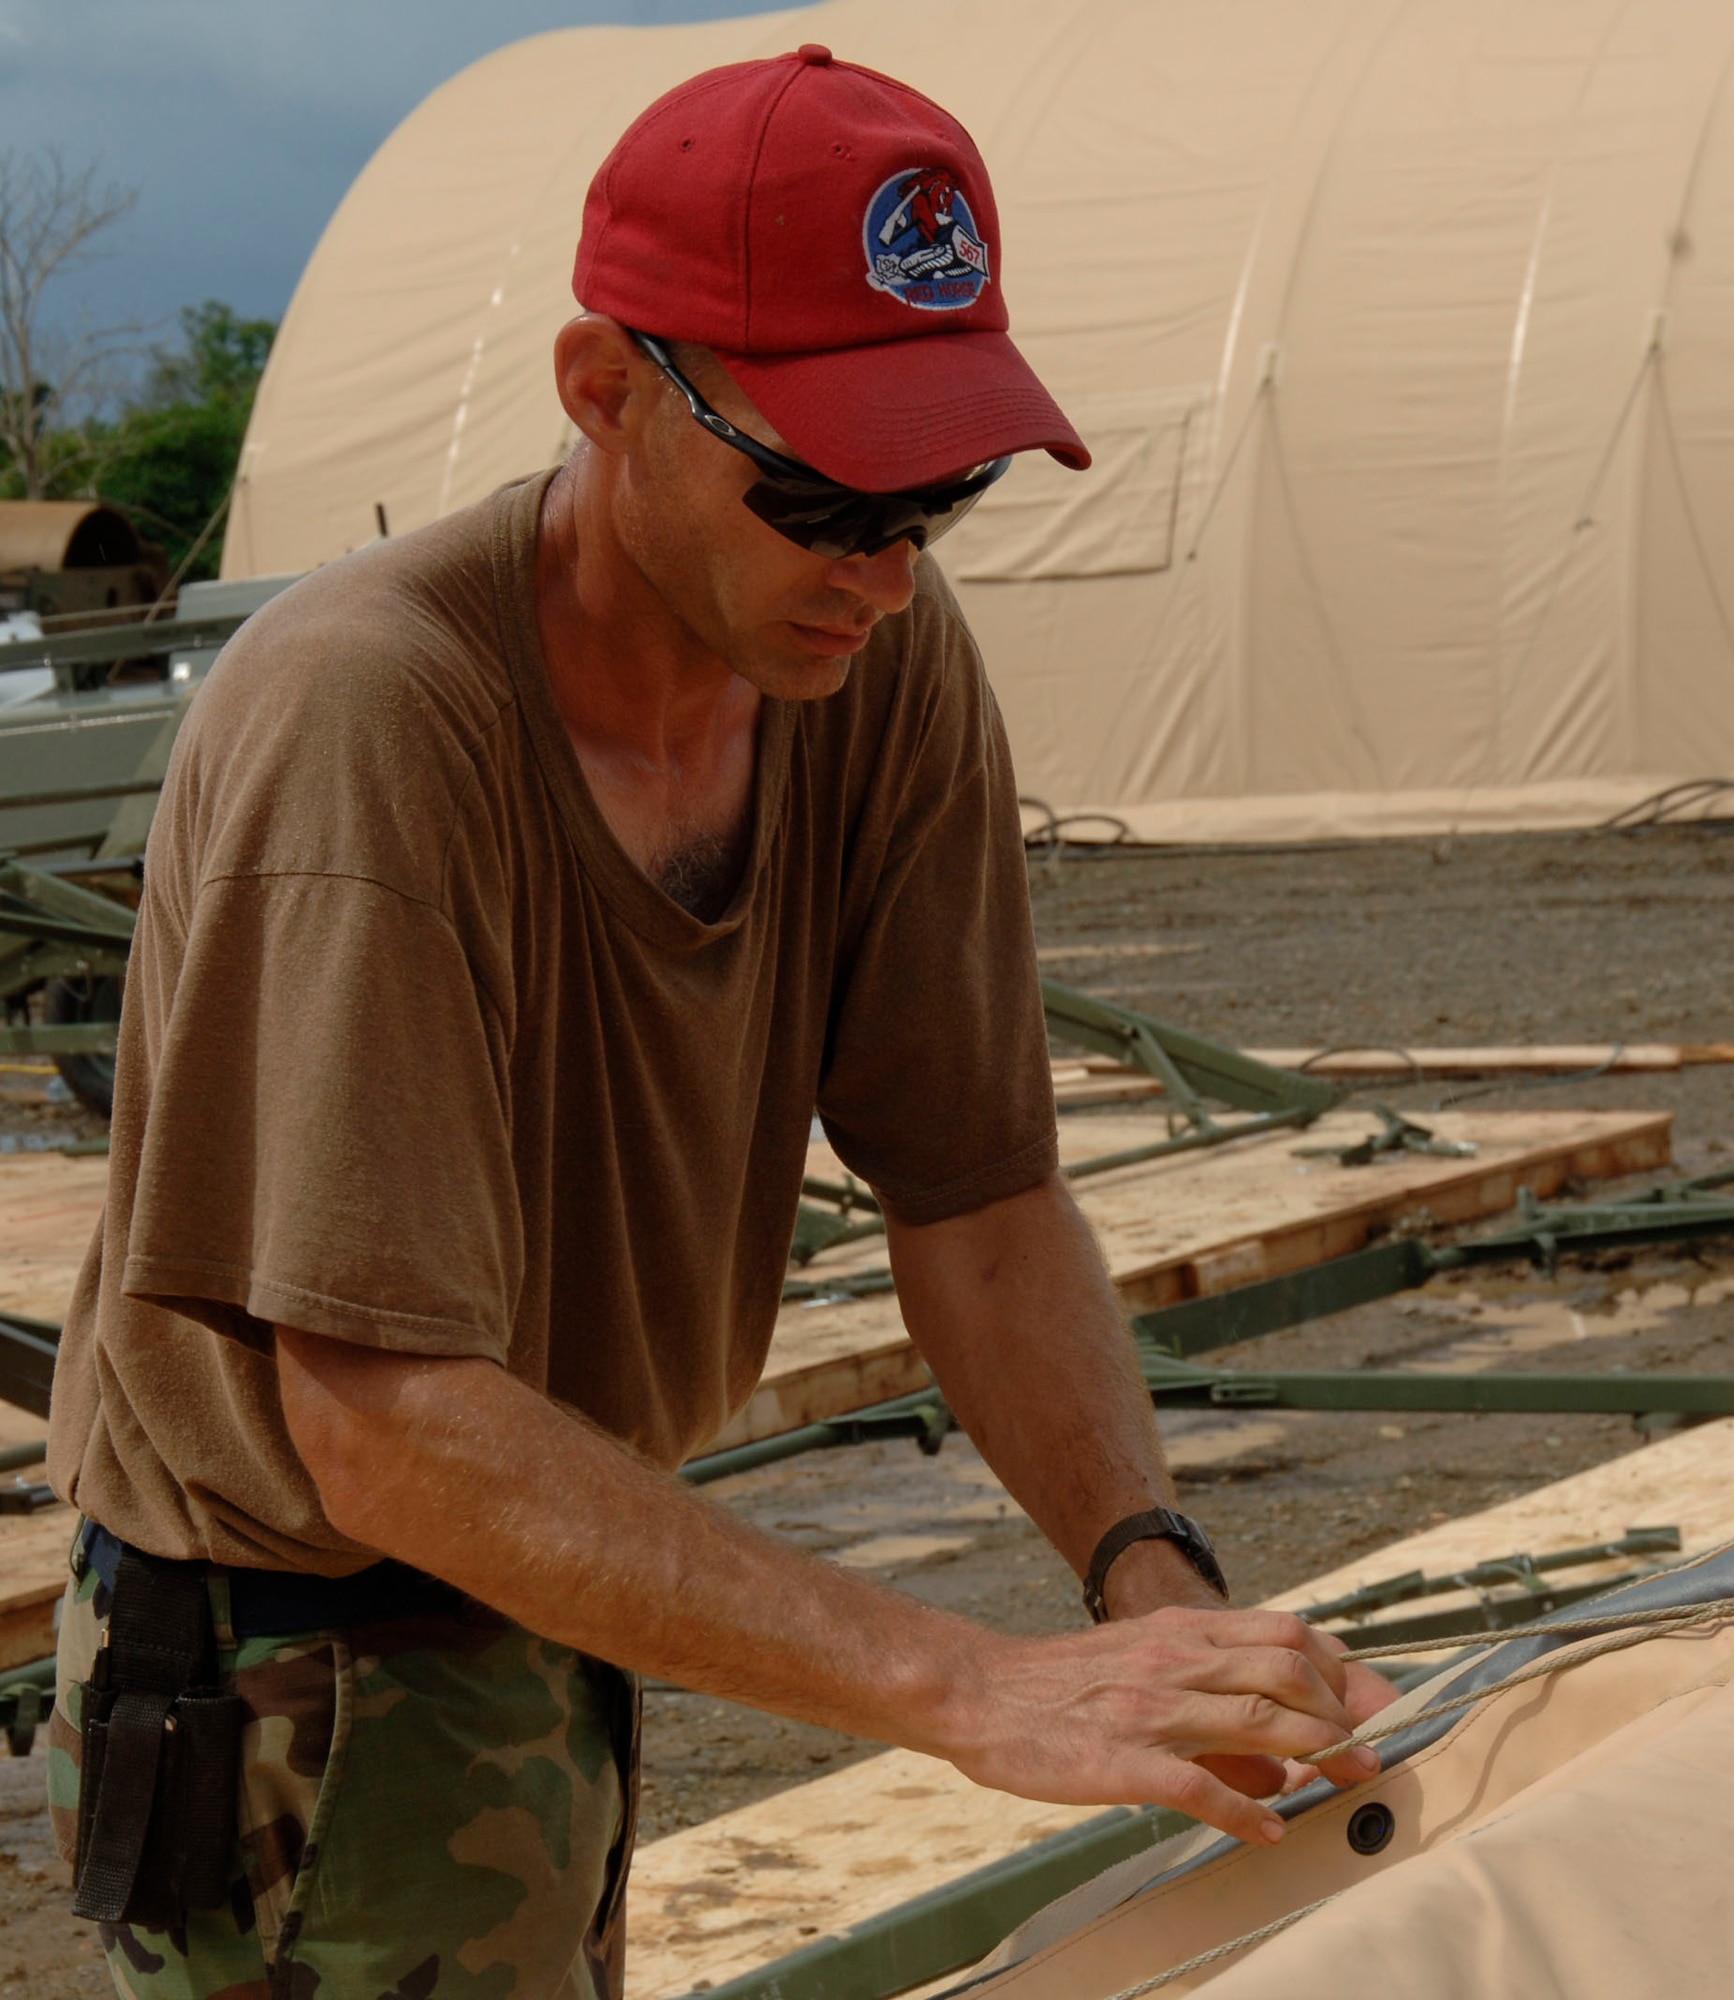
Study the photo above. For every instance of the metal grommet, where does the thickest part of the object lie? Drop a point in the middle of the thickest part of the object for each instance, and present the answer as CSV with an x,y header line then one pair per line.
x,y
1371,1827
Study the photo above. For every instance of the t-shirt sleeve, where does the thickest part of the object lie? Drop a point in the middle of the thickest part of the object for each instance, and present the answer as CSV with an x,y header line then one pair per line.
x,y
324,1141
937,1089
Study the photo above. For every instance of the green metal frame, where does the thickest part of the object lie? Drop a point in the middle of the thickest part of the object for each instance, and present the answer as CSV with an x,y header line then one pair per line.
x,y
1190,1068
1184,1385
51,928
27,1351
1684,1212
1166,1338
1533,1595
1412,1584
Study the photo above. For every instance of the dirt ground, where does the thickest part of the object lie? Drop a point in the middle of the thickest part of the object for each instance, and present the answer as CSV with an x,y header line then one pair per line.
x,y
1510,940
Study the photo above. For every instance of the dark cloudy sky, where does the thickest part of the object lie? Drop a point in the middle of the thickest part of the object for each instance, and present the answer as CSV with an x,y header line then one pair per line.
x,y
241,123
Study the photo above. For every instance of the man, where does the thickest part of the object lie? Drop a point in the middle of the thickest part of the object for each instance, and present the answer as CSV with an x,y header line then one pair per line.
x,y
518,889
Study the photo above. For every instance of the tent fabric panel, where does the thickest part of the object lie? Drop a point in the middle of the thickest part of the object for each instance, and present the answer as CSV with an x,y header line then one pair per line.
x,y
1607,1880
1356,297
1614,1723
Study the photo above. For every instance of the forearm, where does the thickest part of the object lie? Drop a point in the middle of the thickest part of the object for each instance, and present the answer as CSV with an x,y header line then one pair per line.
x,y
459,1470
456,1468
1014,1309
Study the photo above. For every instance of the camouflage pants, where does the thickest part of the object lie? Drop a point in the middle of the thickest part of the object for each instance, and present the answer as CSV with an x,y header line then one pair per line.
x,y
430,1809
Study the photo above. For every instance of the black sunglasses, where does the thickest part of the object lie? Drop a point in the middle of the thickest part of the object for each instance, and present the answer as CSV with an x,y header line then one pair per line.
x,y
815,512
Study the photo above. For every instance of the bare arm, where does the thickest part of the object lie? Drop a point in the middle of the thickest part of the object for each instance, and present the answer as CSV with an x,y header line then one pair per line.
x,y
1013,1307
454,1467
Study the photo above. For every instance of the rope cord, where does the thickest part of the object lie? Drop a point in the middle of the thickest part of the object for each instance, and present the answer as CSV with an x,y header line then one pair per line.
x,y
1533,1082
1610,1634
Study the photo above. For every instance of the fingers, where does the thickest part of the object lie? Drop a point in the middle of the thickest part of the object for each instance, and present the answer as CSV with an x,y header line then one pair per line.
x,y
1253,1724
1321,1650
1287,1678
1256,1777
1202,1795
1354,1767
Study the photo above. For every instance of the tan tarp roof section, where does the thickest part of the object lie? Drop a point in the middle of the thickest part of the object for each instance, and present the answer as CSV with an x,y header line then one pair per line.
x,y
1401,331
64,534
1569,1840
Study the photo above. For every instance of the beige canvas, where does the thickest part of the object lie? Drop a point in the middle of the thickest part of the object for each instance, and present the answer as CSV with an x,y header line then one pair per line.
x,y
1400,332
1571,1837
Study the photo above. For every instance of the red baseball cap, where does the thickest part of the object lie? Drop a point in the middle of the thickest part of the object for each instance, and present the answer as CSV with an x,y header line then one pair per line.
x,y
831,235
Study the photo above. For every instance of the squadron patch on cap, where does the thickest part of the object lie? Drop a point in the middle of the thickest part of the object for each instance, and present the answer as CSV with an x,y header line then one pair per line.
x,y
921,241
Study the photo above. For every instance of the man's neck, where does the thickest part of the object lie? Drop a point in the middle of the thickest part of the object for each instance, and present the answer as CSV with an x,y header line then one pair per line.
x,y
664,731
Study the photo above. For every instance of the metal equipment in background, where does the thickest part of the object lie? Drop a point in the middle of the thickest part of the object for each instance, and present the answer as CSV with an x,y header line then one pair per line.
x,y
1165,1339
1509,1590
71,559
91,699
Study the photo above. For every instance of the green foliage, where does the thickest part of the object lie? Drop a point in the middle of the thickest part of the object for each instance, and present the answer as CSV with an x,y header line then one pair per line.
x,y
170,459
220,361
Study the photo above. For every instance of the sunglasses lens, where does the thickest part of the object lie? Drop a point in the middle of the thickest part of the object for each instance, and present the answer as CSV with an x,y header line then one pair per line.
x,y
837,521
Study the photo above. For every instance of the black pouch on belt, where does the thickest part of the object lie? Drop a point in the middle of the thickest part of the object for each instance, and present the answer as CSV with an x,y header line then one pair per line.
x,y
161,1755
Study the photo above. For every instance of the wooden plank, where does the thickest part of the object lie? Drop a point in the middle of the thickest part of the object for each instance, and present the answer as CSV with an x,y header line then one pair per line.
x,y
1096,1080
1197,1224
716,1900
735,1892
50,1207
1200,1223
33,1555
1613,1058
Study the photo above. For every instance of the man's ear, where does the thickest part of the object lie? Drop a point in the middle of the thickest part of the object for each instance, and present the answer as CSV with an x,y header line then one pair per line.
x,y
602,381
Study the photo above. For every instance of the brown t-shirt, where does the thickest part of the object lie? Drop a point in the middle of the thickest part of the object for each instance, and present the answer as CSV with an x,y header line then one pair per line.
x,y
413,1055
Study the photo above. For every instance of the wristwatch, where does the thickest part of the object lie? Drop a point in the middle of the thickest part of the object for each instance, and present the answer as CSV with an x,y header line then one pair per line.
x,y
1156,1524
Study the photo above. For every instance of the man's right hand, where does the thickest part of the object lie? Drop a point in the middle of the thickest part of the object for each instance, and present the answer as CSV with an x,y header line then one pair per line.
x,y
1123,1713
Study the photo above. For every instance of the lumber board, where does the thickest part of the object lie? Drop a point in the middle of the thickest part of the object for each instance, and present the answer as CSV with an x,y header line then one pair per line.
x,y
33,1549
1098,1080
1565,1059
1195,1224
716,1900
1101,1081
1177,1228
50,1207
33,1556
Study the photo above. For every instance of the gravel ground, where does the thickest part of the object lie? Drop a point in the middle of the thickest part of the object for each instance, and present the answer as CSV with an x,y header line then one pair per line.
x,y
1492,940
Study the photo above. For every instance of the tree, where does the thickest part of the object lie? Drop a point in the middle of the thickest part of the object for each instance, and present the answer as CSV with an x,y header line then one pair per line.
x,y
170,459
50,217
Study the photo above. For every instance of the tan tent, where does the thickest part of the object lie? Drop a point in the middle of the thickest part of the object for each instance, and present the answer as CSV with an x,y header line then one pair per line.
x,y
1403,331
1567,1835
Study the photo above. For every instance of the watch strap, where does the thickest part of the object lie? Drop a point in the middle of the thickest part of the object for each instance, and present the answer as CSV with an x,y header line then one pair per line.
x,y
1154,1524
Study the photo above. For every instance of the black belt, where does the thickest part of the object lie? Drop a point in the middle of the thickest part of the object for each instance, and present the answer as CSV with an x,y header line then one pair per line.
x,y
269,1603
